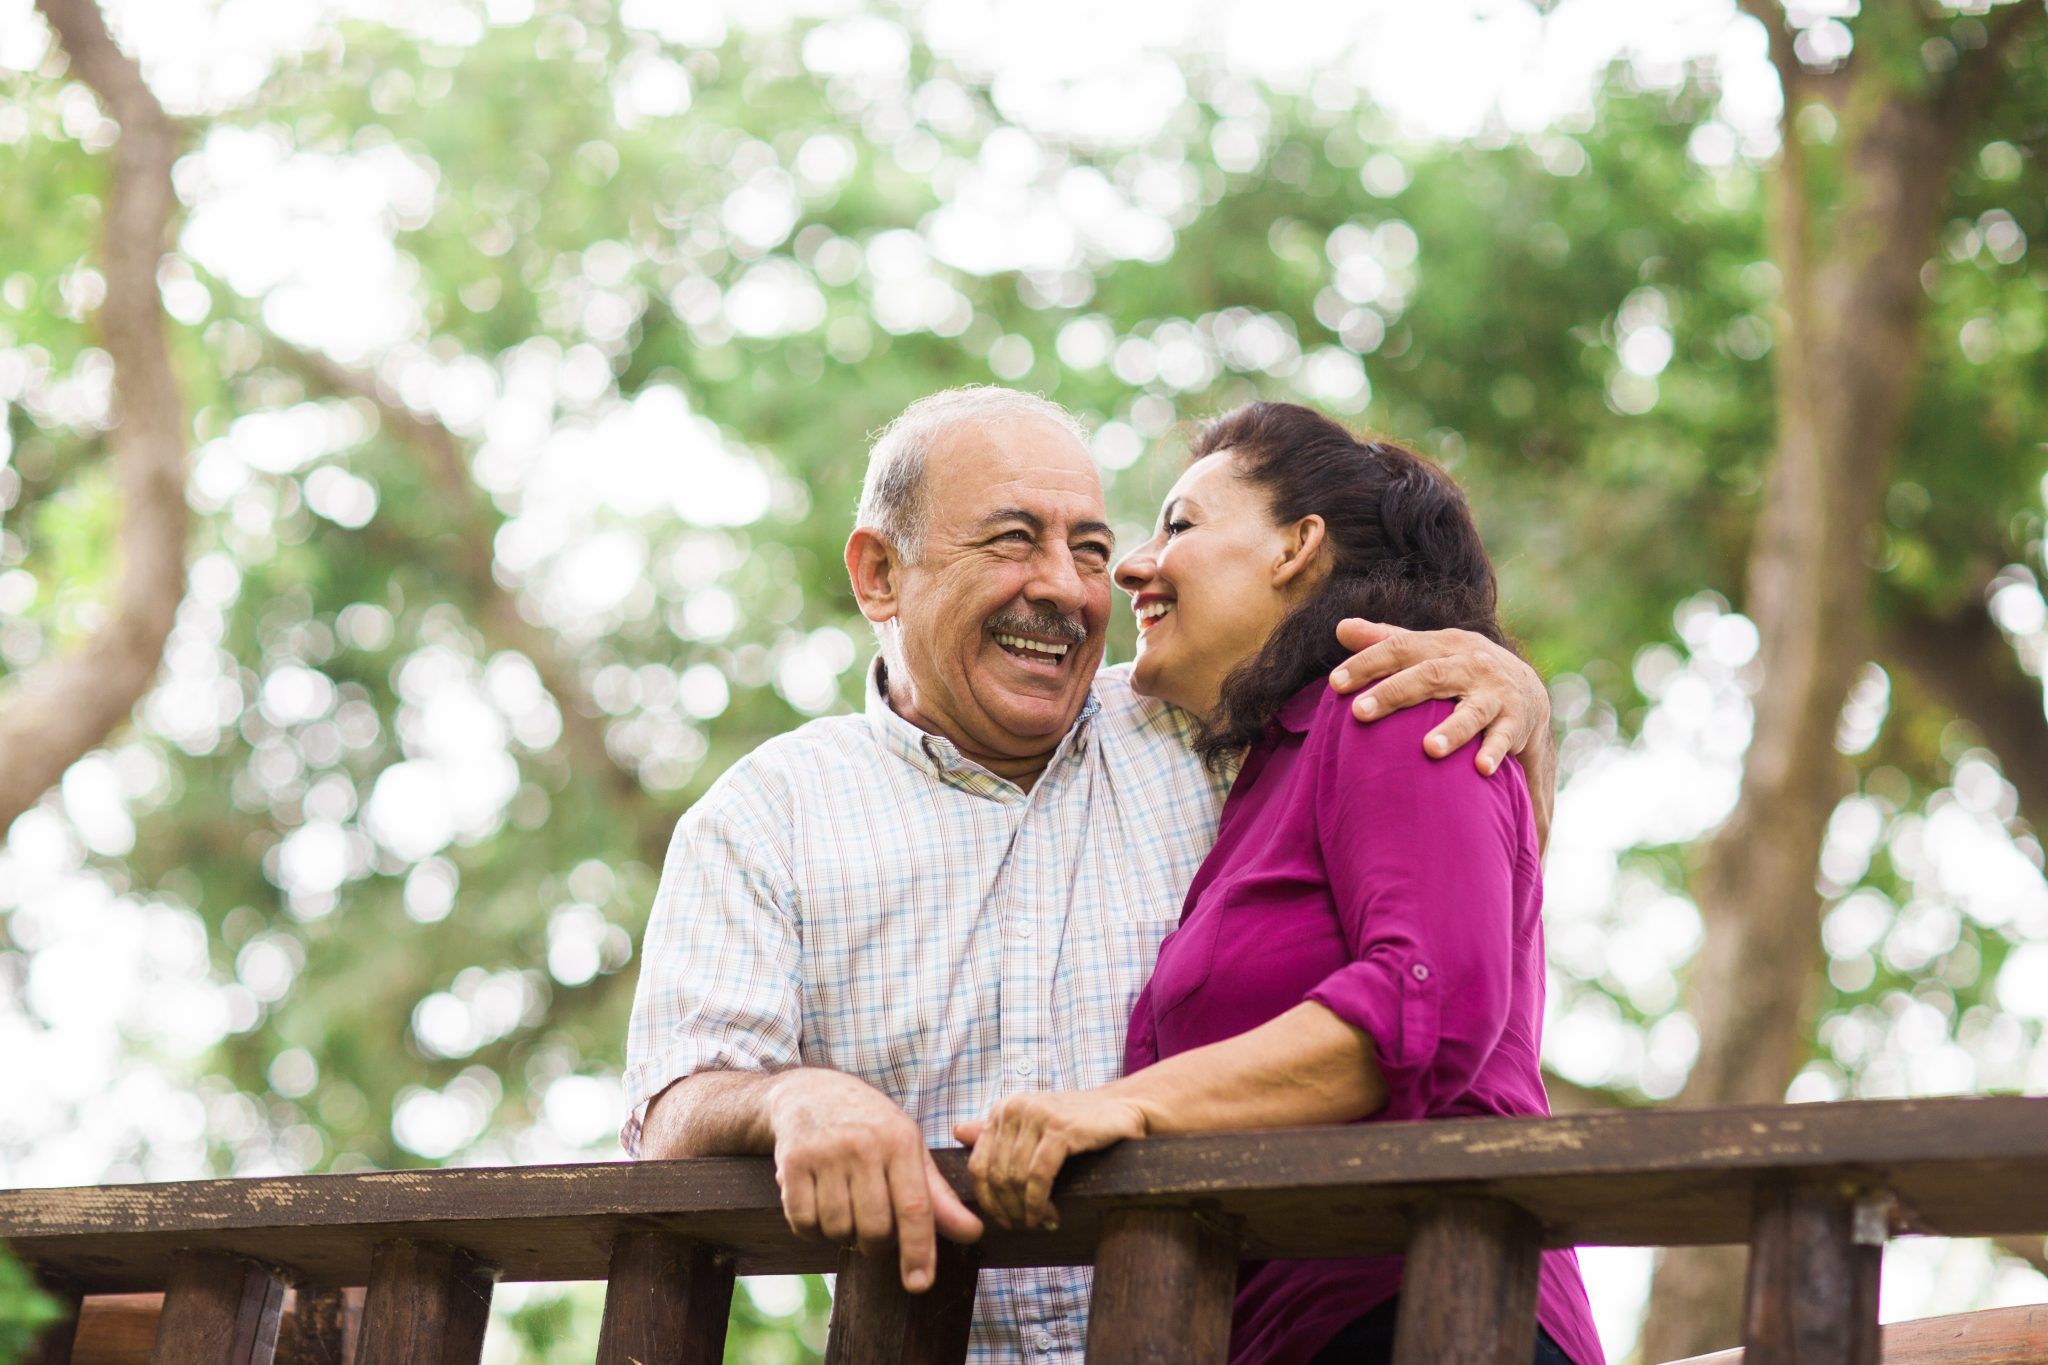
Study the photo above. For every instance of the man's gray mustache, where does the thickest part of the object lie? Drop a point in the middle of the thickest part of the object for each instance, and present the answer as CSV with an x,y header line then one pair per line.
x,y
1050,626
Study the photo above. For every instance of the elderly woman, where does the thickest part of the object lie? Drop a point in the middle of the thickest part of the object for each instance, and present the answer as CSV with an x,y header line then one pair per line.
x,y
1359,947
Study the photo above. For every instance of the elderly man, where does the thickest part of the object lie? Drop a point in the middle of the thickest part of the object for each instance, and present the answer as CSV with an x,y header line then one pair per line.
x,y
874,927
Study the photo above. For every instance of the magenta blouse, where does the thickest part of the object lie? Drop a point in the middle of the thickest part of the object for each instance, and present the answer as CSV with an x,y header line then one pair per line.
x,y
1405,894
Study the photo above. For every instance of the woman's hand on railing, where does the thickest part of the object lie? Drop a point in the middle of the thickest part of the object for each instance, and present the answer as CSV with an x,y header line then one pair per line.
x,y
1020,1147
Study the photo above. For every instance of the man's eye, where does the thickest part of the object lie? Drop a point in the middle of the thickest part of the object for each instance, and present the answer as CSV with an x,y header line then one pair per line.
x,y
1093,549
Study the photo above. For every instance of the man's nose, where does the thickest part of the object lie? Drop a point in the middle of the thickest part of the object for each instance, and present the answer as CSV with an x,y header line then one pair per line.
x,y
1057,582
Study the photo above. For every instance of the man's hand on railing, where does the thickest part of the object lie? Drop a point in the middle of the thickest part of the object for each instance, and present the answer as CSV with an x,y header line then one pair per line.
x,y
853,1167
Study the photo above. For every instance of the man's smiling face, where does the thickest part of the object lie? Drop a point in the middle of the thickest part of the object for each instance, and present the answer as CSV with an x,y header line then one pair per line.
x,y
1001,620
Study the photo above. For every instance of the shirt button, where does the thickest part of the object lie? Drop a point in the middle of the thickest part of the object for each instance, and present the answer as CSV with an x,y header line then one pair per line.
x,y
1420,972
1023,931
1023,1068
1042,1341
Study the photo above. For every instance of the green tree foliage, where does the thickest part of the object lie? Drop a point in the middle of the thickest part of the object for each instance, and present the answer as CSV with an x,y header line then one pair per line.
x,y
24,1309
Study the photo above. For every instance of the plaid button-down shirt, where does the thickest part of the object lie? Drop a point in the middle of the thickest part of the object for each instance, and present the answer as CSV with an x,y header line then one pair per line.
x,y
857,895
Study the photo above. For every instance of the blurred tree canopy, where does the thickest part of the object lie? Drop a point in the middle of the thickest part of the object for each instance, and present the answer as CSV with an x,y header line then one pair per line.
x,y
475,607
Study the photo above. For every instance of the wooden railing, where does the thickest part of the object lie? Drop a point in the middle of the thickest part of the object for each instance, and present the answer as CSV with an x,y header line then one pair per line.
x,y
1815,1190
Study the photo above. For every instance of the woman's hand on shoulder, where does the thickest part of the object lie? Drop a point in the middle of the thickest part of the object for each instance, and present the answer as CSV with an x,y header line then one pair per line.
x,y
1020,1147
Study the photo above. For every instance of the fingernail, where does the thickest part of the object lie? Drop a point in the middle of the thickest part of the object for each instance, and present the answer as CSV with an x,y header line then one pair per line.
x,y
917,1280
1436,744
1341,678
1052,1225
1366,708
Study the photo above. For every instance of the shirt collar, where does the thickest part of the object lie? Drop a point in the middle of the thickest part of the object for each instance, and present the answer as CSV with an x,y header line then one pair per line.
x,y
1299,711
939,756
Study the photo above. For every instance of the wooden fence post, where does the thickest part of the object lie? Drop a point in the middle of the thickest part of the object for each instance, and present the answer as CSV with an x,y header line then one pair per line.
x,y
1813,1275
666,1302
218,1310
1468,1292
874,1318
427,1305
1164,1281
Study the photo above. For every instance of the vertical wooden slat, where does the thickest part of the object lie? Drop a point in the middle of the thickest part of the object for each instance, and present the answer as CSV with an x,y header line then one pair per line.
x,y
427,1305
874,1318
1812,1293
316,1330
666,1303
1164,1281
53,1347
943,1315
218,1310
1468,1290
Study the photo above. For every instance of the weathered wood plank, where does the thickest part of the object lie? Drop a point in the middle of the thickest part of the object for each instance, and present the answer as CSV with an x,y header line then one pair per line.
x,y
218,1310
1990,1336
1965,1167
875,1318
1812,1292
1468,1290
666,1302
427,1305
1164,1281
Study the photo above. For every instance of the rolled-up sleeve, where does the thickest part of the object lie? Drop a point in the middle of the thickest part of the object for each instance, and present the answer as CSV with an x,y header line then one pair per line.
x,y
719,971
1420,855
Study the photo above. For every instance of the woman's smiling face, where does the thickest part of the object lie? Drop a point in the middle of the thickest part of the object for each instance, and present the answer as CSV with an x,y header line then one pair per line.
x,y
1209,586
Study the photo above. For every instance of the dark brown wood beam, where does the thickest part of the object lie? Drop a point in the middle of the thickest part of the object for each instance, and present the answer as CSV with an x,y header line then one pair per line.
x,y
1966,1167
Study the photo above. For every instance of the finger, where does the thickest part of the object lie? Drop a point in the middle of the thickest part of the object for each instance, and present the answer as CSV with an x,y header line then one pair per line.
x,y
917,1251
1045,1167
969,1132
1356,633
874,1217
1501,740
1428,680
1020,1138
1471,716
978,1166
835,1208
955,1220
1396,652
800,1204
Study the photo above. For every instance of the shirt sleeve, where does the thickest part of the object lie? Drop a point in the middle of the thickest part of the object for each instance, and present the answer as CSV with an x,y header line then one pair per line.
x,y
1421,856
719,970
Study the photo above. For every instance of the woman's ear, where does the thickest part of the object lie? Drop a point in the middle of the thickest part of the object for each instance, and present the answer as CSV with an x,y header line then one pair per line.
x,y
875,572
1300,552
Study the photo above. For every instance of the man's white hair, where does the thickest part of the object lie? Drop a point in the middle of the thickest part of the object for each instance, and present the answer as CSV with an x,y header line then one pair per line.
x,y
893,498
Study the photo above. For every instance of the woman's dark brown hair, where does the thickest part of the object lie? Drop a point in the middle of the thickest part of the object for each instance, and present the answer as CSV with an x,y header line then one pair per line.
x,y
1398,536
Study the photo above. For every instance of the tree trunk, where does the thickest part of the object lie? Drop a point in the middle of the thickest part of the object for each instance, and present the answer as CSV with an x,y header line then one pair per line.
x,y
60,708
1847,360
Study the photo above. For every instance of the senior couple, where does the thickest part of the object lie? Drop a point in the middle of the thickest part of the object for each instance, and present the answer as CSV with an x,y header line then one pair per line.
x,y
1036,906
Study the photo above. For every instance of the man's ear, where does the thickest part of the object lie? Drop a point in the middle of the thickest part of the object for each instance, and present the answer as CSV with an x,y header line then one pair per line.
x,y
1299,552
875,572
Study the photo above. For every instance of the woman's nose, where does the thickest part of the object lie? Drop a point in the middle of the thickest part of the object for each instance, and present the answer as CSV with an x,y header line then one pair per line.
x,y
1135,570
